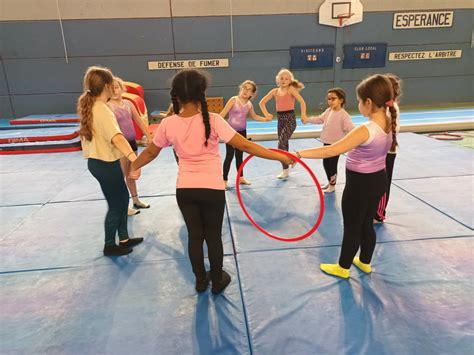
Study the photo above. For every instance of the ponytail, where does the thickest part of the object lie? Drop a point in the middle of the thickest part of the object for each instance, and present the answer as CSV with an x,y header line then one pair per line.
x,y
393,121
205,117
84,110
95,81
298,85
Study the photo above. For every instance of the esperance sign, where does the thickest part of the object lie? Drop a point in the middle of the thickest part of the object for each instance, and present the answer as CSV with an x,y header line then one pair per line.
x,y
188,64
434,19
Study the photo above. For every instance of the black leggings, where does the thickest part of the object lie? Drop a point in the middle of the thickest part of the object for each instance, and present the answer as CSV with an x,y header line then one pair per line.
x,y
330,167
389,163
359,205
229,155
203,212
286,127
112,183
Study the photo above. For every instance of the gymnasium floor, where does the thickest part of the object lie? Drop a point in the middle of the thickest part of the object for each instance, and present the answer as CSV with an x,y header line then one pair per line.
x,y
61,296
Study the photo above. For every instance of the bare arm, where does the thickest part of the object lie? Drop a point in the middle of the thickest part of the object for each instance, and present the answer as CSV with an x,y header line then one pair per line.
x,y
318,119
255,116
300,99
123,146
228,107
355,138
263,103
245,145
140,123
146,156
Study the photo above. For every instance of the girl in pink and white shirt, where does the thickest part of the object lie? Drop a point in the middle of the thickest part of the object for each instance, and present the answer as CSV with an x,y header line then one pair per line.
x,y
337,123
194,134
366,180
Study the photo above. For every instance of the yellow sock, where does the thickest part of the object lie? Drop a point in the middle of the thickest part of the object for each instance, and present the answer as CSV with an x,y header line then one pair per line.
x,y
335,270
364,267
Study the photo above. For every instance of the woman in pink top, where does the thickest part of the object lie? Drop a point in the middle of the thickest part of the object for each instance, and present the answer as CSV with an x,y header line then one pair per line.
x,y
366,179
194,133
238,108
337,123
285,95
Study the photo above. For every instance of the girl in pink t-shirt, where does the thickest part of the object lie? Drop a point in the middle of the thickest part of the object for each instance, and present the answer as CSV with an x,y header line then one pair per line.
x,y
366,180
285,95
126,113
337,123
194,133
238,108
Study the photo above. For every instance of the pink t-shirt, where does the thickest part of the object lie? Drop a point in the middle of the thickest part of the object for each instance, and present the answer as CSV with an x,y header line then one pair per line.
x,y
199,166
284,102
336,125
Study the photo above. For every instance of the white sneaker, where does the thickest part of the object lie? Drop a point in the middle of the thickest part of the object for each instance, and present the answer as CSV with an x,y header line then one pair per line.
x,y
330,189
132,212
284,174
244,181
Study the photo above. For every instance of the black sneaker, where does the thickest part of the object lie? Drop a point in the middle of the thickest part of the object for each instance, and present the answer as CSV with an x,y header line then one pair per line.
x,y
218,287
116,250
131,242
203,283
137,206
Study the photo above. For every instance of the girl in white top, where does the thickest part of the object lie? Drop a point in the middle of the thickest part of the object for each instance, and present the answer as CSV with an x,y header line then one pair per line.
x,y
337,123
104,145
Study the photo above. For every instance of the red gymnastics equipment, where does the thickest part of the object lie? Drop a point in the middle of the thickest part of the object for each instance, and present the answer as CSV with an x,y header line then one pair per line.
x,y
44,120
318,189
139,104
134,88
60,137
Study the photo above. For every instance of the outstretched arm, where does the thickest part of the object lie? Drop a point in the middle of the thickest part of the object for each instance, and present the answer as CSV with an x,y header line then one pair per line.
x,y
263,103
355,138
123,146
227,107
146,156
255,116
247,146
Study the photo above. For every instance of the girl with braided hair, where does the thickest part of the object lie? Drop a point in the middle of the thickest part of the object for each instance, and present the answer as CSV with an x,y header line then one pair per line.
x,y
194,134
392,154
366,180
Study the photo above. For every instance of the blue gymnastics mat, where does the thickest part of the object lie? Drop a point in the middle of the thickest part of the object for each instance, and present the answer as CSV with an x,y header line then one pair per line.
x,y
120,307
60,295
418,300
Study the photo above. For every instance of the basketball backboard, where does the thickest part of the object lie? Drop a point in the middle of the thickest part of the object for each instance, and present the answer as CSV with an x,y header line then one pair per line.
x,y
340,13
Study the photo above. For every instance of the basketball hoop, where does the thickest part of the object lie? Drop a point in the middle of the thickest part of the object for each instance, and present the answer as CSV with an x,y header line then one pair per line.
x,y
342,17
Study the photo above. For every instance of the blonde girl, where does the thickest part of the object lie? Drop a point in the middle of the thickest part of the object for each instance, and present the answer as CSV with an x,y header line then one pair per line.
x,y
285,95
126,113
